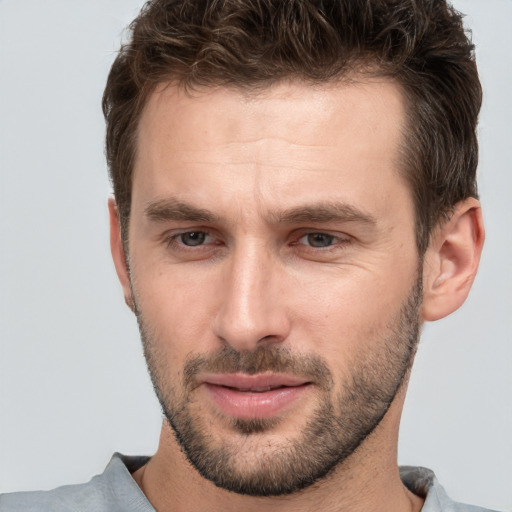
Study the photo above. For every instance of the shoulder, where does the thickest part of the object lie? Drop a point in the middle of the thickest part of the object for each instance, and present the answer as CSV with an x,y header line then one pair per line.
x,y
114,489
423,482
83,497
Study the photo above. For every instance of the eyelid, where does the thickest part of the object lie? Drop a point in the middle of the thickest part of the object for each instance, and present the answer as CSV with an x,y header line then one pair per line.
x,y
340,243
172,237
340,236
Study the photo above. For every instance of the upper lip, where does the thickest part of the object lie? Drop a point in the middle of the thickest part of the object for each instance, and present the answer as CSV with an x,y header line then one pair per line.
x,y
258,382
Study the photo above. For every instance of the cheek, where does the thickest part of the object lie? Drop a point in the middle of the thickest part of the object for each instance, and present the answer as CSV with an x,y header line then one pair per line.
x,y
337,312
349,312
176,306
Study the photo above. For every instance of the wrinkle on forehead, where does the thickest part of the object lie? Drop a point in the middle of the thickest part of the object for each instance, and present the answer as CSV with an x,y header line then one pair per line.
x,y
303,105
291,141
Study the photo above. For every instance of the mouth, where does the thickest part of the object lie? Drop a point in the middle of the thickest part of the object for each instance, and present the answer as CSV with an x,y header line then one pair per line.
x,y
254,396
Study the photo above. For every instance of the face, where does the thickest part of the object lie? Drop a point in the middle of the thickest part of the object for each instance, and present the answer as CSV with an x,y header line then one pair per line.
x,y
274,274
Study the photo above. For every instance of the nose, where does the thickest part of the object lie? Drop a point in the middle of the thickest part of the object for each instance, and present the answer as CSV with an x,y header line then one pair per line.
x,y
252,302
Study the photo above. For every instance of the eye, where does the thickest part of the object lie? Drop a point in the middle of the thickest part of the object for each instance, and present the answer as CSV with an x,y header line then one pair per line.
x,y
192,238
193,245
318,240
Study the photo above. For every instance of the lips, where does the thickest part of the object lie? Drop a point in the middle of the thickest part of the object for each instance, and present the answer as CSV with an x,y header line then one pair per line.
x,y
254,396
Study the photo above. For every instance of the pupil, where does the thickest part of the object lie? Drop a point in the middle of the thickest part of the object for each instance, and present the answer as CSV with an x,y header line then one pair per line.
x,y
193,238
319,240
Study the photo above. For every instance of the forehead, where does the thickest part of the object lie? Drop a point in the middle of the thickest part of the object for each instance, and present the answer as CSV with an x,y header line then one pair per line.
x,y
214,114
293,139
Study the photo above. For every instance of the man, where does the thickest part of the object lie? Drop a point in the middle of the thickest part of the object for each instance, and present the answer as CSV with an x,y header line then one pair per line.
x,y
294,197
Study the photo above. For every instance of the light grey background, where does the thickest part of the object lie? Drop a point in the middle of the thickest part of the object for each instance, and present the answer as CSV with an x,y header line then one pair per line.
x,y
73,385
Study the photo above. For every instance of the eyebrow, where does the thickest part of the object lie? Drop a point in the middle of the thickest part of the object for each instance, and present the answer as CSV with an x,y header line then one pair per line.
x,y
323,213
171,209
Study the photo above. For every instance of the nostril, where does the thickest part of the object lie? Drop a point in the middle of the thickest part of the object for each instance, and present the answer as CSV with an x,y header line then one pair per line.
x,y
271,339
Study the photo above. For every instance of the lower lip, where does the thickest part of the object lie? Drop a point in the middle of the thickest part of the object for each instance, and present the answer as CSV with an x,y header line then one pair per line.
x,y
252,405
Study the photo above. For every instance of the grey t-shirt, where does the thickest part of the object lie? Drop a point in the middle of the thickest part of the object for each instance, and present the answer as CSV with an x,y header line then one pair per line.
x,y
115,490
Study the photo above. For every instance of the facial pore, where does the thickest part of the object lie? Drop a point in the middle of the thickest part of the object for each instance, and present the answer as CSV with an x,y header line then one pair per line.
x,y
340,423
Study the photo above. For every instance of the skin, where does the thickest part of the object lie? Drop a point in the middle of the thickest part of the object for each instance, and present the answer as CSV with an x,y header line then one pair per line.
x,y
249,160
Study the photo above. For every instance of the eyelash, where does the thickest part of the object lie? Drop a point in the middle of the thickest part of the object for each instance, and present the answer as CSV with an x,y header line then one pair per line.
x,y
173,241
336,241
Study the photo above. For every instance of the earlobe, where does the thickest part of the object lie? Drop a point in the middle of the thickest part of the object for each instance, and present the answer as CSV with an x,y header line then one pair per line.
x,y
451,261
118,253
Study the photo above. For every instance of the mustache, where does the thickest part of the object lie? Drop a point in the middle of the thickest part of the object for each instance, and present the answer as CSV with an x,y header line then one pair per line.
x,y
264,359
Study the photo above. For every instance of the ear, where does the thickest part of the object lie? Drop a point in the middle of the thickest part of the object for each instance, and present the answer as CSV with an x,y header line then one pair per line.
x,y
451,261
118,253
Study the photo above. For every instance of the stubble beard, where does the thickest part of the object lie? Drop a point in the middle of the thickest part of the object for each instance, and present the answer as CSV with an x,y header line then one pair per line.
x,y
339,425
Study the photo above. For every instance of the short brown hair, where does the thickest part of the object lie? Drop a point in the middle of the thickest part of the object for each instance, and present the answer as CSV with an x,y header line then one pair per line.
x,y
420,44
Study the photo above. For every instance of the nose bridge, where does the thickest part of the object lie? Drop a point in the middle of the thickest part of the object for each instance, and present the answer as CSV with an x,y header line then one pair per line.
x,y
252,311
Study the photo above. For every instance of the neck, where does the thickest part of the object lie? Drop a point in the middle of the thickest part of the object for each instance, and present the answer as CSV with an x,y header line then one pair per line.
x,y
367,481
